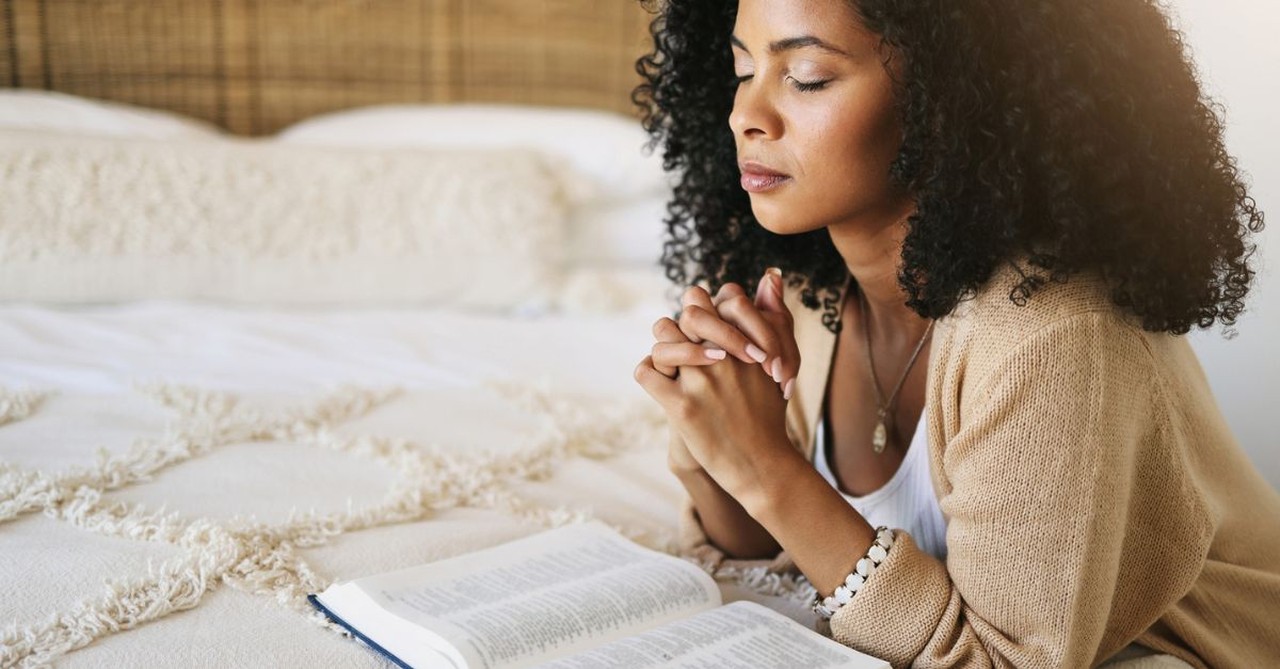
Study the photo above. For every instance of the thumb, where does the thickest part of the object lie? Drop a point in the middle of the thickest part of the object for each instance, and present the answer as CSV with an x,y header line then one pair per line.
x,y
763,289
769,296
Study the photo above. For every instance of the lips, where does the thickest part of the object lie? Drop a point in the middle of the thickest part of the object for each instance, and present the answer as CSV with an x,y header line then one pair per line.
x,y
753,167
758,178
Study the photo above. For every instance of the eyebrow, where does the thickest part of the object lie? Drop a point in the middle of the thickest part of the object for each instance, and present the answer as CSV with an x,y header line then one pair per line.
x,y
791,43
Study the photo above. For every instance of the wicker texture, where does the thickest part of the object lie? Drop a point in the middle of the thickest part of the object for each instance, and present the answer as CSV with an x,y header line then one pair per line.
x,y
255,66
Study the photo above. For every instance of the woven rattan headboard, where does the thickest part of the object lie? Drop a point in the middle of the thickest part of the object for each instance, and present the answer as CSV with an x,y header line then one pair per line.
x,y
254,66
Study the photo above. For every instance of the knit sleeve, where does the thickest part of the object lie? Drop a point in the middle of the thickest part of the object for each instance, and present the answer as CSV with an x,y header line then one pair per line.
x,y
1042,492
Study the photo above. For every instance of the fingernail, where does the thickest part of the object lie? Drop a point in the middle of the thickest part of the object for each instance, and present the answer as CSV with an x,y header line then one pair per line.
x,y
715,353
775,271
755,353
786,390
777,370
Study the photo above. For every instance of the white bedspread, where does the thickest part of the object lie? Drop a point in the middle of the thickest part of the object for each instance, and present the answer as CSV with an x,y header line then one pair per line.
x,y
187,473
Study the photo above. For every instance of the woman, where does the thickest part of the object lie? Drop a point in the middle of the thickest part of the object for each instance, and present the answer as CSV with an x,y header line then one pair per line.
x,y
993,222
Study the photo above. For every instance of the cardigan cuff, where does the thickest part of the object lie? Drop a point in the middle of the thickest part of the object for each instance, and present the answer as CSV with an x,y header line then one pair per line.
x,y
894,615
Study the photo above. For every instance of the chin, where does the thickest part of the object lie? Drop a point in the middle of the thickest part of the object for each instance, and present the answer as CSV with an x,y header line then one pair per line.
x,y
782,220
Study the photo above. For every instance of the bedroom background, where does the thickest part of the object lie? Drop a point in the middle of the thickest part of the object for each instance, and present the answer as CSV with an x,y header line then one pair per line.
x,y
232,484
235,367
238,65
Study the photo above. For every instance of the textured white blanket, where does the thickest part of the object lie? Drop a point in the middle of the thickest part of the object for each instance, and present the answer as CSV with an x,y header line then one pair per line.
x,y
176,478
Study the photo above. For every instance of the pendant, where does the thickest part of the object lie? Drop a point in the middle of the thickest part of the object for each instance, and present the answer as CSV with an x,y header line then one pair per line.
x,y
880,437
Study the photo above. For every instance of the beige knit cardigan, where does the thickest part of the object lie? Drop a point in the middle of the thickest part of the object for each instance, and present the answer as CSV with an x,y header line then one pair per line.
x,y
1095,497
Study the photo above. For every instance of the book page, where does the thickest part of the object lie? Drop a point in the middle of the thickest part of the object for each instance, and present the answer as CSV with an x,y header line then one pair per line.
x,y
741,635
547,595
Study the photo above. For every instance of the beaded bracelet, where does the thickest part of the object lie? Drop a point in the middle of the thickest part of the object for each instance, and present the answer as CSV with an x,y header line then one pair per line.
x,y
825,608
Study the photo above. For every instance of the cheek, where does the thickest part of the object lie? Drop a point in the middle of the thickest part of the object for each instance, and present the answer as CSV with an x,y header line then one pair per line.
x,y
853,145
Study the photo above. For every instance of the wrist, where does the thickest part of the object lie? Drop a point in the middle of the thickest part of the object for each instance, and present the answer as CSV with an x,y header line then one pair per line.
x,y
773,481
684,468
811,520
687,475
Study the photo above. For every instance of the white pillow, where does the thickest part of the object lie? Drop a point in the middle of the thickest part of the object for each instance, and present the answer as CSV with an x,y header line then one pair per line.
x,y
48,110
610,290
90,219
600,154
625,233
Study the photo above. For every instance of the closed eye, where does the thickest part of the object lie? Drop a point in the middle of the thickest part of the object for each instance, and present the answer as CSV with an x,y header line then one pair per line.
x,y
807,86
802,86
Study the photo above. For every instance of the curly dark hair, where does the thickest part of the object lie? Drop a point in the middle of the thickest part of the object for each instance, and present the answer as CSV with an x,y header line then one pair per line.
x,y
1073,132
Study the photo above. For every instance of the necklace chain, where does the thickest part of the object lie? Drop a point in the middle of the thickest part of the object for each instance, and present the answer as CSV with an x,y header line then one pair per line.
x,y
880,437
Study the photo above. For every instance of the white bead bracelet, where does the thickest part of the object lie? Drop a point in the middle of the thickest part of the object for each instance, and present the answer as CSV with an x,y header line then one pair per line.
x,y
862,571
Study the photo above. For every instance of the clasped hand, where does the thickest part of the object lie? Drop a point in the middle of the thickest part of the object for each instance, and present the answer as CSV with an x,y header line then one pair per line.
x,y
723,374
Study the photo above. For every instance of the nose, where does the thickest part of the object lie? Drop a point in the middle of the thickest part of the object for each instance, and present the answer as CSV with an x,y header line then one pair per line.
x,y
754,114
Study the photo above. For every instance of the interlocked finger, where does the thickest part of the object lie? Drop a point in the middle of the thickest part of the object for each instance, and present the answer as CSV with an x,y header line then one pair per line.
x,y
670,356
728,291
700,325
695,296
673,349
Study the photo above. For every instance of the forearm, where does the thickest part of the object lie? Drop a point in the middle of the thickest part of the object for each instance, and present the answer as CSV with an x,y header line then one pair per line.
x,y
822,533
726,523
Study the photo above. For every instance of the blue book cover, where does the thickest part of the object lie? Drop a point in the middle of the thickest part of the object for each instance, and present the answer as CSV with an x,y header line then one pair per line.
x,y
355,632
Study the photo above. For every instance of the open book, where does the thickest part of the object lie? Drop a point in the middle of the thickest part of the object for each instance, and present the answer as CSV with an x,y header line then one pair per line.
x,y
577,597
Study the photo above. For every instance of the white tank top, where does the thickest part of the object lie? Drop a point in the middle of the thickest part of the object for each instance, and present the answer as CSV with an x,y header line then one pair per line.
x,y
906,502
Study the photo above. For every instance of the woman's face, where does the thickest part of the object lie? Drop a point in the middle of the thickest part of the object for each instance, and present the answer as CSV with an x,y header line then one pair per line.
x,y
816,104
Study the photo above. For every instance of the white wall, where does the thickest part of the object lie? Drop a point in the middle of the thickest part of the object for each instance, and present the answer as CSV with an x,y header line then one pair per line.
x,y
1236,45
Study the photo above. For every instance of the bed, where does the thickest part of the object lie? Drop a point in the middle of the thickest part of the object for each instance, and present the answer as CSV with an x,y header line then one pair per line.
x,y
177,477
301,291
224,382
